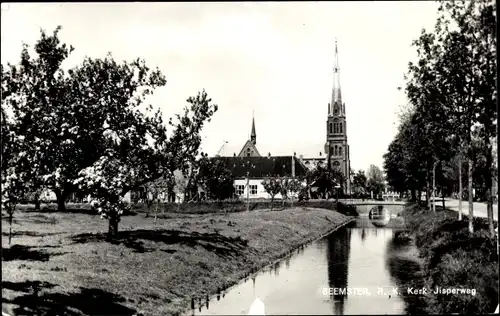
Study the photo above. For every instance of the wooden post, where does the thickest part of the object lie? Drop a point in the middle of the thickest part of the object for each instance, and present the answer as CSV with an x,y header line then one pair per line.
x,y
248,192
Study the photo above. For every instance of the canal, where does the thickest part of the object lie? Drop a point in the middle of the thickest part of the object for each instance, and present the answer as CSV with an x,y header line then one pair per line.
x,y
364,260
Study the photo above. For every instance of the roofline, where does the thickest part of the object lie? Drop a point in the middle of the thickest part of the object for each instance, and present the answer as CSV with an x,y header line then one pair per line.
x,y
251,144
245,157
256,178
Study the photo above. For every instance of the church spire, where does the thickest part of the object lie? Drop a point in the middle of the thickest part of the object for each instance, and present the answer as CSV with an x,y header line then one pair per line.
x,y
253,136
336,93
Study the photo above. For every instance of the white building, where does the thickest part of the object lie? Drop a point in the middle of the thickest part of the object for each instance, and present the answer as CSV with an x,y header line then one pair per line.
x,y
256,169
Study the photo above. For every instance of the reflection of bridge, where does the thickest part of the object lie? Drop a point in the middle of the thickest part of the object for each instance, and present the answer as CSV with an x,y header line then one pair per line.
x,y
395,223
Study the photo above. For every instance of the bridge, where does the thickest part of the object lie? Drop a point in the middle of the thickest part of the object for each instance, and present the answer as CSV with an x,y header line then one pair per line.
x,y
391,220
364,206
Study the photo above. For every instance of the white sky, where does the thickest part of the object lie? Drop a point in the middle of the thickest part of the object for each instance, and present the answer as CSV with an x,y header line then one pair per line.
x,y
274,58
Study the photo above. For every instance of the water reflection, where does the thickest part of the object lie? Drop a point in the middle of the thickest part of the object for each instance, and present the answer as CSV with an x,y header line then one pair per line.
x,y
362,257
276,268
363,235
379,216
339,244
406,271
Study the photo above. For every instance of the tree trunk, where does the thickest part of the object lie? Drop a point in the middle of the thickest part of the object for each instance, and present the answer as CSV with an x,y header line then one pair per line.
x,y
442,195
434,186
427,190
37,201
113,227
11,215
460,187
272,202
489,187
61,200
419,197
156,212
470,193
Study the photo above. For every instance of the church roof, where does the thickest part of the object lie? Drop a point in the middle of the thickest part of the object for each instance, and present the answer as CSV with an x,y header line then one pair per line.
x,y
250,145
306,149
261,167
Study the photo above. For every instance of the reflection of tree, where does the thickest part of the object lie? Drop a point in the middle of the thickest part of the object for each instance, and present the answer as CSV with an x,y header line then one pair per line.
x,y
339,245
363,234
405,273
287,262
276,268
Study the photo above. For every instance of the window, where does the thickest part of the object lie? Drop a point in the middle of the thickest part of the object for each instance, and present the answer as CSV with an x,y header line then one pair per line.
x,y
336,151
248,152
240,189
253,189
340,128
331,128
340,151
336,164
335,127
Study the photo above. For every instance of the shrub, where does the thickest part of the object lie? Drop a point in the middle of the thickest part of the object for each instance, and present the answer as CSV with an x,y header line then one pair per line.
x,y
454,259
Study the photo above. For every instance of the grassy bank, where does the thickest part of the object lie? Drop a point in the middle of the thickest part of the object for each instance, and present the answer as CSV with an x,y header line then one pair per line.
x,y
228,206
240,206
60,264
454,259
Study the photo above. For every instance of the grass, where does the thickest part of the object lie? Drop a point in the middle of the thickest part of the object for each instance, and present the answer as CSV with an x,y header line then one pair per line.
x,y
454,259
235,206
206,207
59,263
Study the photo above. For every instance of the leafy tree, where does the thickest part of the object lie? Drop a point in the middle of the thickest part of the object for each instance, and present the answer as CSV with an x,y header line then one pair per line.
x,y
294,187
326,180
156,191
216,178
284,189
272,185
375,181
37,93
140,152
473,46
14,178
181,181
309,178
359,182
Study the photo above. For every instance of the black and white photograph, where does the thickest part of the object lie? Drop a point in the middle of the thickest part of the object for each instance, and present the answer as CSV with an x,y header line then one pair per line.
x,y
249,158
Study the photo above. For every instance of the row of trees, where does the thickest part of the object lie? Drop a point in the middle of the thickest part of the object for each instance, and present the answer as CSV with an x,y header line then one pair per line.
x,y
445,136
87,129
366,184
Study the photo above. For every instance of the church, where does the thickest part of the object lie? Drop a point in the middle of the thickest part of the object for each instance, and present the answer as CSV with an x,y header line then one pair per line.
x,y
250,164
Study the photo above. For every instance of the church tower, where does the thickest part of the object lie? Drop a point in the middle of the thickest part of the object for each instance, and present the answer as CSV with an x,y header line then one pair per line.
x,y
336,146
250,147
253,136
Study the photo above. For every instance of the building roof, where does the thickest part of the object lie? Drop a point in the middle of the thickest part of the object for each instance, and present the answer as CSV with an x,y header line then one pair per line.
x,y
306,149
261,167
252,147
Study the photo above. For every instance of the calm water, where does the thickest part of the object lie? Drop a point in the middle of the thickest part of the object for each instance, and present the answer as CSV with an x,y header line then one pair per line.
x,y
362,257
